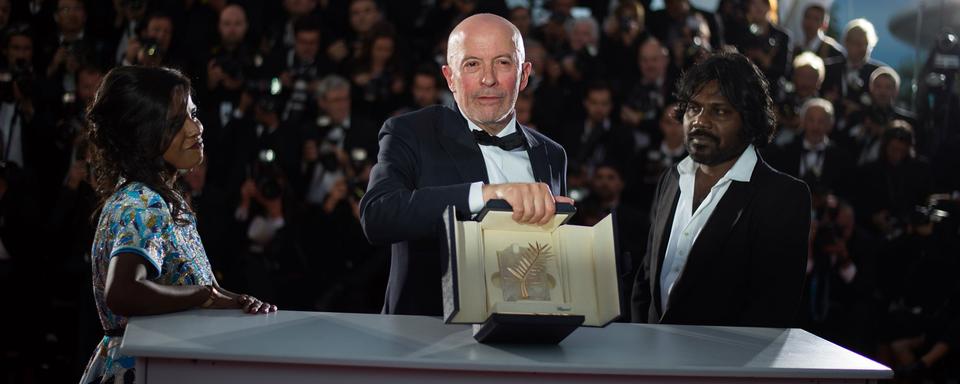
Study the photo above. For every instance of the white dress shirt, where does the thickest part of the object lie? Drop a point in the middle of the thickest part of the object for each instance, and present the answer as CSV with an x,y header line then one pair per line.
x,y
812,158
502,166
687,223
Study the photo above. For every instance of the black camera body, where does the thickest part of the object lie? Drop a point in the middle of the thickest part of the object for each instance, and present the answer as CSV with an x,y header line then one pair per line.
x,y
230,65
150,46
20,74
789,104
266,175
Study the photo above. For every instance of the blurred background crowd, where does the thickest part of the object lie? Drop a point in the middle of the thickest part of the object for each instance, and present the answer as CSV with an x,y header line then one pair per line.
x,y
292,94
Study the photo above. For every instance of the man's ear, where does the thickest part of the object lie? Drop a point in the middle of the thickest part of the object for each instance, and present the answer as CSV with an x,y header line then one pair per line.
x,y
448,75
525,69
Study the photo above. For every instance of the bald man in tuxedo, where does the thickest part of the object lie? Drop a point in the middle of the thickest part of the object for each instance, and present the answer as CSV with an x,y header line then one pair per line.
x,y
461,156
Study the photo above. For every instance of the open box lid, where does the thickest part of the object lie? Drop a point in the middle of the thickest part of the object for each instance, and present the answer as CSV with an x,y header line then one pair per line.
x,y
581,278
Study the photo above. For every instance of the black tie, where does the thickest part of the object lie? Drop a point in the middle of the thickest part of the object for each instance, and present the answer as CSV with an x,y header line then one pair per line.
x,y
507,143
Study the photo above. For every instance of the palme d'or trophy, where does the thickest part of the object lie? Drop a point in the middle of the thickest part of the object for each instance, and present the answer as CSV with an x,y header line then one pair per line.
x,y
523,283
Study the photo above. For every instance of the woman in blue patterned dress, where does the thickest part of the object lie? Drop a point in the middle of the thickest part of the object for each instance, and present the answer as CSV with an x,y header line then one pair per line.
x,y
147,256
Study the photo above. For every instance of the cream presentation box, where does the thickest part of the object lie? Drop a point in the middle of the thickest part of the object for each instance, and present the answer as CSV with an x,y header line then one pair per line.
x,y
529,283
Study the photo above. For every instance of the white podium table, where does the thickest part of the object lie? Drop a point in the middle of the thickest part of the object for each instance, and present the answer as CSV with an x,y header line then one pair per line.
x,y
227,346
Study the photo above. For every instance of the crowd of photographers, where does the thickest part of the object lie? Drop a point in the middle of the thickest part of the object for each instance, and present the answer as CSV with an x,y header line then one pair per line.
x,y
292,94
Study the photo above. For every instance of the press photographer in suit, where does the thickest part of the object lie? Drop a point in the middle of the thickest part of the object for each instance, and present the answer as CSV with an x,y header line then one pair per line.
x,y
729,235
461,156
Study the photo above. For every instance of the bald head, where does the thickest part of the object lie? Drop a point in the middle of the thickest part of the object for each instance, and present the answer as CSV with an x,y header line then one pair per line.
x,y
483,23
486,69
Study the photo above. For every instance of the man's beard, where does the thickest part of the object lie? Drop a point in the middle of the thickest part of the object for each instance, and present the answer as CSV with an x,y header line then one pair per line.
x,y
718,155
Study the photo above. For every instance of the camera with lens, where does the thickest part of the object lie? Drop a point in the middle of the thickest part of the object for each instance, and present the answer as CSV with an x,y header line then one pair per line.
x,y
72,48
789,103
697,43
646,101
828,234
150,47
230,65
266,175
939,209
263,87
356,188
327,158
20,74
267,103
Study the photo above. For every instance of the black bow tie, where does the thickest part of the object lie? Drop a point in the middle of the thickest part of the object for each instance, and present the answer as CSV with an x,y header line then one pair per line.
x,y
507,143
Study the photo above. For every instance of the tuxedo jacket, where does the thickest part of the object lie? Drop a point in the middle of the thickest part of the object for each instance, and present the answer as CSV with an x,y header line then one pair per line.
x,y
747,266
835,176
427,161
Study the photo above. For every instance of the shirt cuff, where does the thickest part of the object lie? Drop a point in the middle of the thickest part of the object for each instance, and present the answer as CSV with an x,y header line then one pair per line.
x,y
476,197
848,272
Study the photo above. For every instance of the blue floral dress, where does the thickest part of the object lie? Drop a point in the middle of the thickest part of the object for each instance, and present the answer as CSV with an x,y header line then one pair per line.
x,y
136,220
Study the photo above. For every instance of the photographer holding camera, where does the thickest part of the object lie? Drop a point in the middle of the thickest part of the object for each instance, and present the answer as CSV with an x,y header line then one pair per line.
x,y
765,43
838,300
920,293
681,21
338,152
623,32
231,79
18,103
152,47
70,47
271,261
127,24
300,69
895,183
580,60
338,144
643,103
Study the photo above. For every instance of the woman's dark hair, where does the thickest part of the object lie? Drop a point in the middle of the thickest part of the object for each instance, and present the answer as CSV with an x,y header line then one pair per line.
x,y
132,121
742,84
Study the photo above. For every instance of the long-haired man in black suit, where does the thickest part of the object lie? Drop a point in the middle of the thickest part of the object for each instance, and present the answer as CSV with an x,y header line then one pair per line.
x,y
729,234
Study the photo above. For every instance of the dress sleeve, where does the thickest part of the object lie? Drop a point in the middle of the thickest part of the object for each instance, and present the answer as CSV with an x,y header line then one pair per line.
x,y
141,231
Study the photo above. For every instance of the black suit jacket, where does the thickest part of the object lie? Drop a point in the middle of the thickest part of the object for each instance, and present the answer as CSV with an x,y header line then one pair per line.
x,y
836,80
746,267
427,161
835,177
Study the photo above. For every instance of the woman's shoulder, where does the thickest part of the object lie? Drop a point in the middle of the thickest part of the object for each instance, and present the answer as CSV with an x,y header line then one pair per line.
x,y
135,199
137,195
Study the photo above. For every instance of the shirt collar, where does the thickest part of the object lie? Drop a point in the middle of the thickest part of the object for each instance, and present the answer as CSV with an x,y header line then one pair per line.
x,y
742,170
816,147
62,37
511,126
814,43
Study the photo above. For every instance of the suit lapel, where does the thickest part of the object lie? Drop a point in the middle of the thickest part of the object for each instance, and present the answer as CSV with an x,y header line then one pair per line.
x,y
724,218
666,207
458,142
538,156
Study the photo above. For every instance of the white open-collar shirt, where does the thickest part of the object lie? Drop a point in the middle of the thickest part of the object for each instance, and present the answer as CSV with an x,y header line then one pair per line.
x,y
688,223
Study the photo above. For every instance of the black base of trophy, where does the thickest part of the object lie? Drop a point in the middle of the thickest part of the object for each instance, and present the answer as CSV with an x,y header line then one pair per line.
x,y
527,329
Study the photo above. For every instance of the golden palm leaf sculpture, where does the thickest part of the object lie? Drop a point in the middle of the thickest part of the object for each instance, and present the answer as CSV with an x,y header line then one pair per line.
x,y
532,263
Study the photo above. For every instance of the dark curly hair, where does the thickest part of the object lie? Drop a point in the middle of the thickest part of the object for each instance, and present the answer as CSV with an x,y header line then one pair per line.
x,y
130,123
742,84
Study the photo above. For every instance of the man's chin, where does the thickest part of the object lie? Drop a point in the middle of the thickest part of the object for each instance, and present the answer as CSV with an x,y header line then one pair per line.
x,y
705,158
491,118
713,157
